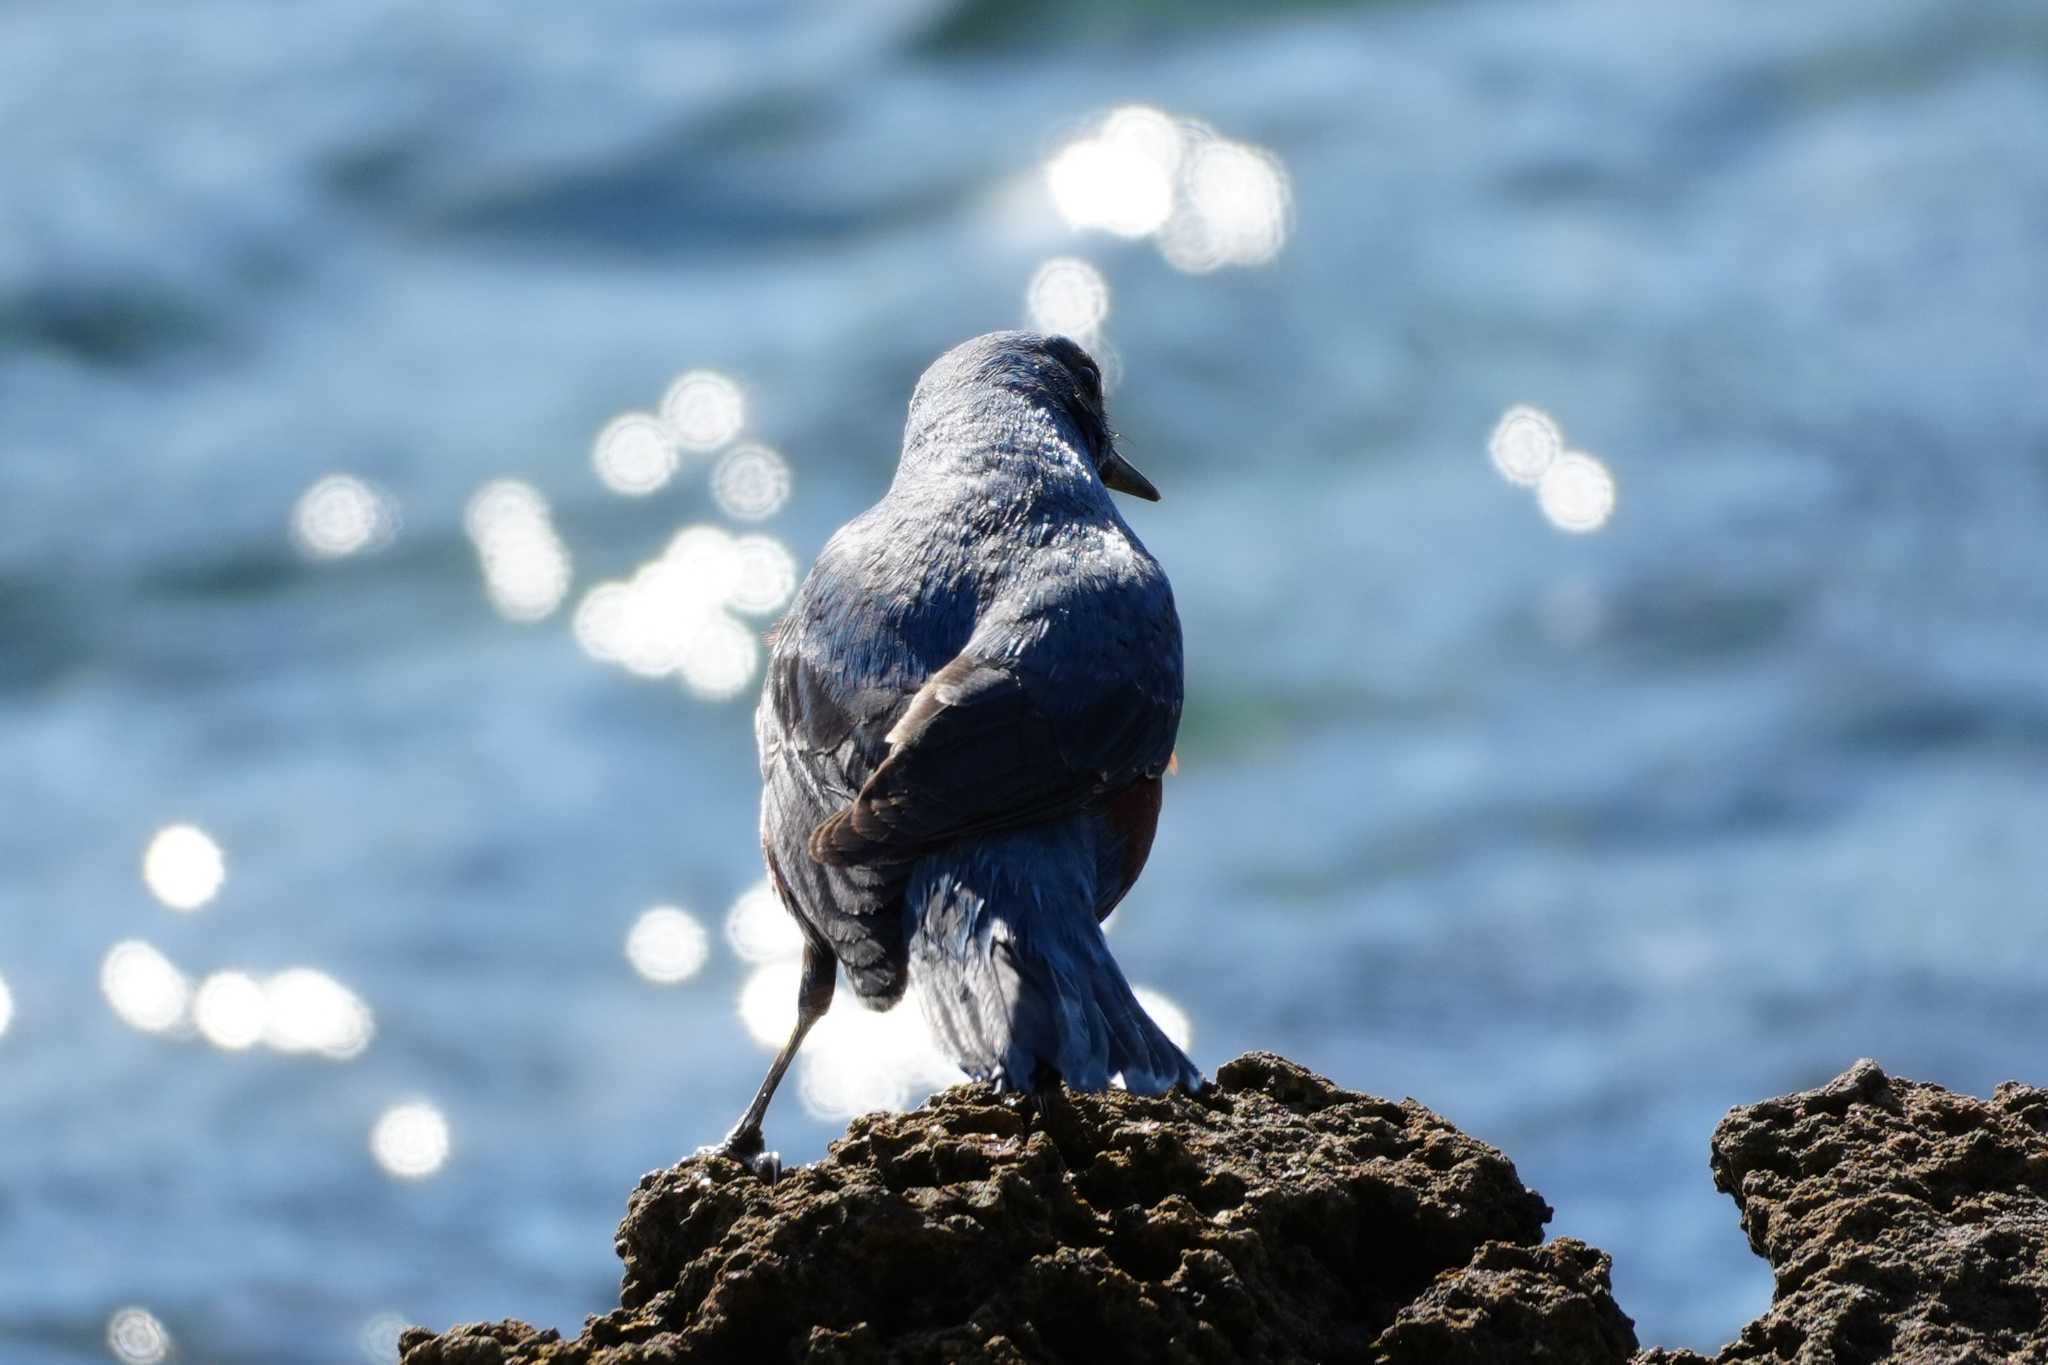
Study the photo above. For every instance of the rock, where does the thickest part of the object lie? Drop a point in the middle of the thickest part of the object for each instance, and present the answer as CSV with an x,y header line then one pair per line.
x,y
1905,1222
1276,1217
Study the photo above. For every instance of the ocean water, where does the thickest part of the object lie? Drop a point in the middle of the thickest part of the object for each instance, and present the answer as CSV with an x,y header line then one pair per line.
x,y
1577,838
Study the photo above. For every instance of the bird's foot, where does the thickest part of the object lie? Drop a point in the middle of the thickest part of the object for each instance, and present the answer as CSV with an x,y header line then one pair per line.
x,y
745,1145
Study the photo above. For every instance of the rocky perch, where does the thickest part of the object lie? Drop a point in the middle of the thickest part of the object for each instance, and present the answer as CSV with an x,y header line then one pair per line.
x,y
1278,1217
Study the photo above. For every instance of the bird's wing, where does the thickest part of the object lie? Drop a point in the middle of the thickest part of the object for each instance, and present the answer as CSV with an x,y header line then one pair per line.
x,y
985,745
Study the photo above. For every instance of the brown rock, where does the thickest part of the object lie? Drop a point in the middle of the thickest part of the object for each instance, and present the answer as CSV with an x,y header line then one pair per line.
x,y
1905,1222
1274,1218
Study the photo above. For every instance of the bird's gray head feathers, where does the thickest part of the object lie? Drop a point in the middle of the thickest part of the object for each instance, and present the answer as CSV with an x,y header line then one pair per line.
x,y
1051,375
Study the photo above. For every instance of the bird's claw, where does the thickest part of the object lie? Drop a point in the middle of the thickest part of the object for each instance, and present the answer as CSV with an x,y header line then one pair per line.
x,y
747,1148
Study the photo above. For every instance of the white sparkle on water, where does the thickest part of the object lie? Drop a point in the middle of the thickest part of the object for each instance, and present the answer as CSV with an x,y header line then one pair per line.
x,y
1576,493
1525,442
379,1338
703,410
667,945
183,867
1068,296
855,1059
751,483
1173,1021
766,577
307,1011
635,454
674,615
526,566
6,1007
759,929
1207,201
342,515
228,1010
1122,178
1235,208
410,1140
145,989
136,1337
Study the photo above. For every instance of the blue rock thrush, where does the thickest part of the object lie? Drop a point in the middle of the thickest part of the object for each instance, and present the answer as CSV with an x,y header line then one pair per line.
x,y
966,717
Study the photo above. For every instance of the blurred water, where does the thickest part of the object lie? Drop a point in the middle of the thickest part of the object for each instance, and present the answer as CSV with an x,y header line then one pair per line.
x,y
1579,839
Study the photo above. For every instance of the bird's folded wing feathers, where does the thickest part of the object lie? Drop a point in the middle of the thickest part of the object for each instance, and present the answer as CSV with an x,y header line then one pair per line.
x,y
981,748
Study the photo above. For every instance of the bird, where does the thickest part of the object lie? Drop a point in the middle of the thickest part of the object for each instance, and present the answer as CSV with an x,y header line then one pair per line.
x,y
965,720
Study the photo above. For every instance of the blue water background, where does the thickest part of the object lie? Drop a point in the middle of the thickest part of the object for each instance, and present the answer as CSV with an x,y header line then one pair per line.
x,y
1577,839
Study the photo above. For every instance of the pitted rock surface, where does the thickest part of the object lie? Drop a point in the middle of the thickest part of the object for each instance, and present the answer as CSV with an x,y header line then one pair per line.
x,y
1905,1222
1275,1217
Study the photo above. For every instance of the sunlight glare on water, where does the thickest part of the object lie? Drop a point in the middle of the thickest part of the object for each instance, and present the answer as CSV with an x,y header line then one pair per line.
x,y
343,515
855,1059
751,483
1207,201
765,576
307,1011
635,454
1235,208
858,1059
1525,442
135,1337
768,1002
410,1140
6,1007
1576,493
379,1338
183,867
703,410
526,566
759,929
1068,296
1173,1021
229,1011
145,989
667,945
673,615
1120,179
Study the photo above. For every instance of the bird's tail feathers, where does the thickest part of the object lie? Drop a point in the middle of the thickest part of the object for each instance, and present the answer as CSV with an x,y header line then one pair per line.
x,y
1013,999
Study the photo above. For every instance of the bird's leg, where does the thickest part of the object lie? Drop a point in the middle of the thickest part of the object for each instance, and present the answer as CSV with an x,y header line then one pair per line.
x,y
1037,1105
744,1143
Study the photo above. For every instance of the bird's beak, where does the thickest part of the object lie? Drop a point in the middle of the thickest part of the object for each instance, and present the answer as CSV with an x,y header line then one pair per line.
x,y
1120,474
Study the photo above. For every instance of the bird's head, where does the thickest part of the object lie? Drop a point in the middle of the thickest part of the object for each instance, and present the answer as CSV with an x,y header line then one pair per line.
x,y
1050,372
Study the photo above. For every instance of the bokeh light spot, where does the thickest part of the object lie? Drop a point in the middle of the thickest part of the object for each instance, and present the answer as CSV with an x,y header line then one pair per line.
x,y
768,1002
526,566
136,1337
6,1007
719,658
759,929
1576,493
410,1140
858,1059
671,617
634,454
1234,209
342,515
1525,442
145,989
306,1010
703,410
1173,1021
667,945
751,483
1068,296
229,1011
1122,178
379,1338
766,577
183,867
